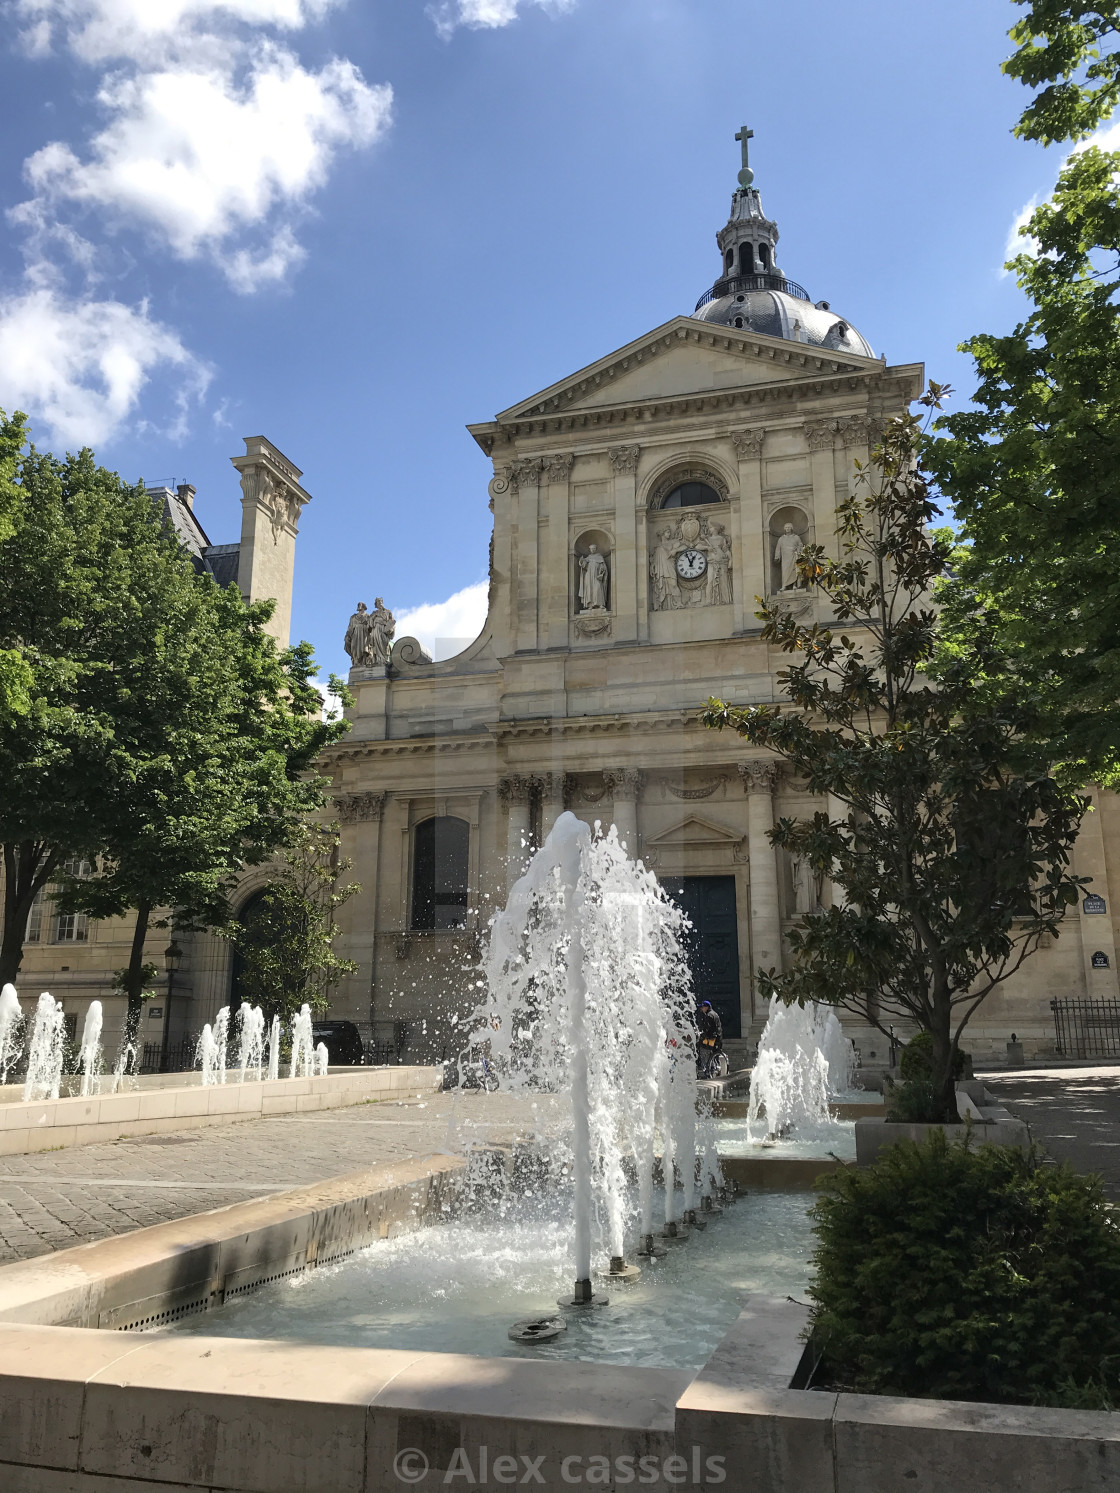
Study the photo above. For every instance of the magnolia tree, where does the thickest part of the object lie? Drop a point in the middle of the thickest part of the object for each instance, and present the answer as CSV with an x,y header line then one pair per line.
x,y
948,842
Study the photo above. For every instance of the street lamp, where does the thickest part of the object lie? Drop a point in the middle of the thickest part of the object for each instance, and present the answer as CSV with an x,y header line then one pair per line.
x,y
172,958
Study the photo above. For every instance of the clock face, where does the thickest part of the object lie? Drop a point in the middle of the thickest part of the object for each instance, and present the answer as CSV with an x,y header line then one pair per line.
x,y
691,564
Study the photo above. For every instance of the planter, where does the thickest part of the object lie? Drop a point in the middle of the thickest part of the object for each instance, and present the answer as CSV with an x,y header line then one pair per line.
x,y
873,1135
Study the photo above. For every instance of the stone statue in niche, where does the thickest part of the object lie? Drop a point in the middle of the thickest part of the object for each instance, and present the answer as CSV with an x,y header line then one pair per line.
x,y
789,546
690,566
806,893
594,580
359,638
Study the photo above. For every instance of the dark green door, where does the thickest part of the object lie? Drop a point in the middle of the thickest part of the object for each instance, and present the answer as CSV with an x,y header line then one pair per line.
x,y
712,942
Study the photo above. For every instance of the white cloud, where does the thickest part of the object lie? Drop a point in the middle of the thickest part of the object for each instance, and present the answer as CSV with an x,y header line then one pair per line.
x,y
202,159
452,623
146,30
80,365
485,15
1106,139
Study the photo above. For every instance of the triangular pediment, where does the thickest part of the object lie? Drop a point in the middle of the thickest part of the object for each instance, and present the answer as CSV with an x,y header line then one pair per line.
x,y
688,358
693,831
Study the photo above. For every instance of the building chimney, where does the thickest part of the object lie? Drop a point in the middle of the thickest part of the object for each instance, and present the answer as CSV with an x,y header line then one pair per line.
x,y
186,495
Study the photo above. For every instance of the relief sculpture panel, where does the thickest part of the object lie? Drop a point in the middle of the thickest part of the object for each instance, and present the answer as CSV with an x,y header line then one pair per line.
x,y
690,563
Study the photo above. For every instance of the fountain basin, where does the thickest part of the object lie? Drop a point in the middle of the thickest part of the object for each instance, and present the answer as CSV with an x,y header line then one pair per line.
x,y
94,1411
47,1124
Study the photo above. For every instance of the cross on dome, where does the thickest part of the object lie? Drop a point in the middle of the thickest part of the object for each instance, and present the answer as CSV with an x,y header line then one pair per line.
x,y
746,176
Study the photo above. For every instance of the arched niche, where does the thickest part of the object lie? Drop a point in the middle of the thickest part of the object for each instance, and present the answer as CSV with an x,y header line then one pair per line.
x,y
796,516
599,542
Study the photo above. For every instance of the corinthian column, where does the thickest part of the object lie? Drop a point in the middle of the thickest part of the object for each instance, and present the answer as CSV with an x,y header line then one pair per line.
x,y
515,792
625,784
759,779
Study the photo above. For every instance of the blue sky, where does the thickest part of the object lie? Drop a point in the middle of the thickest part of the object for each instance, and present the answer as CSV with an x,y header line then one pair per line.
x,y
353,226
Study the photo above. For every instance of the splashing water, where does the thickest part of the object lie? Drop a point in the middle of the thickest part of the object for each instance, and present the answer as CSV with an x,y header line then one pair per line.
x,y
303,1056
221,1043
44,1058
250,1041
803,1057
274,1048
589,993
206,1056
89,1054
11,1025
322,1059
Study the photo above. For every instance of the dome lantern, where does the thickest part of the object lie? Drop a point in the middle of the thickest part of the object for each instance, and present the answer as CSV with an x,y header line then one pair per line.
x,y
752,293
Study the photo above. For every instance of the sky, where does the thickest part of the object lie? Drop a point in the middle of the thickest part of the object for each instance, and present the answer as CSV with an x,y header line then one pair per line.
x,y
355,226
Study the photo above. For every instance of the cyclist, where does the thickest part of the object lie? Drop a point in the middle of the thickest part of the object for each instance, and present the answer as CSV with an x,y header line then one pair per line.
x,y
710,1030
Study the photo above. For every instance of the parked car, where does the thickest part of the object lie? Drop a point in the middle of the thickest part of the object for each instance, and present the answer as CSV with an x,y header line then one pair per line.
x,y
343,1043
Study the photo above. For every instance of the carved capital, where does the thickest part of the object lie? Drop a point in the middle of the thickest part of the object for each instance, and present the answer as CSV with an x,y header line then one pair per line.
x,y
500,483
559,467
360,808
558,786
624,459
858,430
748,443
517,788
820,434
759,775
527,473
625,782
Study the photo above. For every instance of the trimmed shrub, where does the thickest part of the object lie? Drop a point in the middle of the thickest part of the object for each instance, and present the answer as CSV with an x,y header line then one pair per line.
x,y
916,1060
968,1273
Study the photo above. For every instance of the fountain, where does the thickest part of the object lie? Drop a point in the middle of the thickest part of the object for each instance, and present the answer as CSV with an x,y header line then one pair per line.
x,y
250,1041
322,1059
44,1058
589,993
221,1043
89,1054
206,1056
803,1057
11,1024
303,1057
274,1048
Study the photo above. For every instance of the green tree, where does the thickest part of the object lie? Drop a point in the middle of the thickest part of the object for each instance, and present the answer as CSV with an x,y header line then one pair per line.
x,y
286,940
1031,468
16,678
952,855
168,739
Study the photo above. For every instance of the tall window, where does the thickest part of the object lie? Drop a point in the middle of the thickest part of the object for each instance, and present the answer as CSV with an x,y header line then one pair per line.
x,y
73,927
35,917
439,873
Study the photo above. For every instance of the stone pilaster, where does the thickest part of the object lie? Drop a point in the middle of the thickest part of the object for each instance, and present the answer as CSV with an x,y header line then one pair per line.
x,y
625,784
821,436
359,817
626,557
759,780
1095,928
751,568
556,789
556,584
516,791
527,476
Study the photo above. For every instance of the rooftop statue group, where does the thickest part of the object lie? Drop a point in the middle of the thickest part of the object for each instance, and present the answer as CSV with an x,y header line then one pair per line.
x,y
369,636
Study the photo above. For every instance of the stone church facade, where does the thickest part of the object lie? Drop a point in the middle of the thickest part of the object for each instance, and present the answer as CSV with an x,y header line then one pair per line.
x,y
639,508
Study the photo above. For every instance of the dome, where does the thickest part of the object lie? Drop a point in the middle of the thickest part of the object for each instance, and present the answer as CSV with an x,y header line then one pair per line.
x,y
777,313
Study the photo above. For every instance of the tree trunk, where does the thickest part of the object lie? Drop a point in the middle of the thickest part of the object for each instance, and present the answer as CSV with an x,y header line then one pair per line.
x,y
134,977
941,1070
27,867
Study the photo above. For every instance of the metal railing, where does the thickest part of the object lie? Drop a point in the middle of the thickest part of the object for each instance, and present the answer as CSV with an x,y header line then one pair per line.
x,y
178,1059
1086,1028
736,284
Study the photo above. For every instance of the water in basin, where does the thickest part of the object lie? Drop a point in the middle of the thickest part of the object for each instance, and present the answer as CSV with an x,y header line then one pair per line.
x,y
458,1287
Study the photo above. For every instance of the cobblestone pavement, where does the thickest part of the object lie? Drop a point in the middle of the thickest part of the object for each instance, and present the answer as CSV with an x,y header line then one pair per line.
x,y
54,1199
1074,1113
